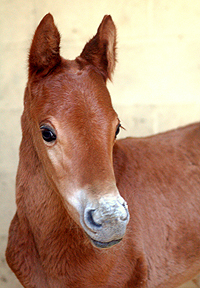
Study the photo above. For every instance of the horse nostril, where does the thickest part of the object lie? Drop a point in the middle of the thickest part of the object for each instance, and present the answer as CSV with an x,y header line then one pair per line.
x,y
124,216
90,219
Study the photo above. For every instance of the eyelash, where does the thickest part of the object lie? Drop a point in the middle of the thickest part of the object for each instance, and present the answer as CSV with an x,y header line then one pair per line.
x,y
118,130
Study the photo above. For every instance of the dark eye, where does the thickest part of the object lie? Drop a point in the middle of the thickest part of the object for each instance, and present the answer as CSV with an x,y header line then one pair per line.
x,y
117,130
48,134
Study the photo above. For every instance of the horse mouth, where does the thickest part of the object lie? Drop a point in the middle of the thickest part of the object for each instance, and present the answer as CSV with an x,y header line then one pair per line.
x,y
102,245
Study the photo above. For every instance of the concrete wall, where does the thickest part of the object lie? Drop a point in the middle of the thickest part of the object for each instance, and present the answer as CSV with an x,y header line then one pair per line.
x,y
156,85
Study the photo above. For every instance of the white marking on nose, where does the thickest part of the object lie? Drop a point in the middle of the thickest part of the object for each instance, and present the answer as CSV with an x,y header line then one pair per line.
x,y
104,219
110,209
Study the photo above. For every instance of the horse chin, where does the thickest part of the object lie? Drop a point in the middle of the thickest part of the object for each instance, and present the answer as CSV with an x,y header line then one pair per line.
x,y
103,245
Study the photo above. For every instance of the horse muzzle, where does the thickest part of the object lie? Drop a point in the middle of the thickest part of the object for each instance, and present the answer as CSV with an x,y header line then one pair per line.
x,y
105,221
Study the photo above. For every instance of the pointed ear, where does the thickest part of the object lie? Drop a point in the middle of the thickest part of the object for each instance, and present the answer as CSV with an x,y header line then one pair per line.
x,y
100,51
45,50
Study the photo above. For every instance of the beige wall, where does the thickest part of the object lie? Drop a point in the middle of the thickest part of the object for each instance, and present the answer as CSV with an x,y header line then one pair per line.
x,y
156,85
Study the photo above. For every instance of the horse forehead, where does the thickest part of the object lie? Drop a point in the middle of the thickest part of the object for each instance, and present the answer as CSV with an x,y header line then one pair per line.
x,y
70,75
75,92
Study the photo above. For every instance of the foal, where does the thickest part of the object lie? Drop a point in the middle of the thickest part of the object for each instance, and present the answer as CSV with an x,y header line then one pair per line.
x,y
74,181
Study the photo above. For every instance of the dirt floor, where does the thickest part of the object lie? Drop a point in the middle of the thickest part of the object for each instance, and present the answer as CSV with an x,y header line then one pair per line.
x,y
8,280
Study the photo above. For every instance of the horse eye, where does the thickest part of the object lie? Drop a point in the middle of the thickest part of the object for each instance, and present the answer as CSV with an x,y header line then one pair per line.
x,y
48,134
117,130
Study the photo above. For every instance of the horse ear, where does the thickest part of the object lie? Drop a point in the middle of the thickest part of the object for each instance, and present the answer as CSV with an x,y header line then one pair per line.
x,y
100,51
45,50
